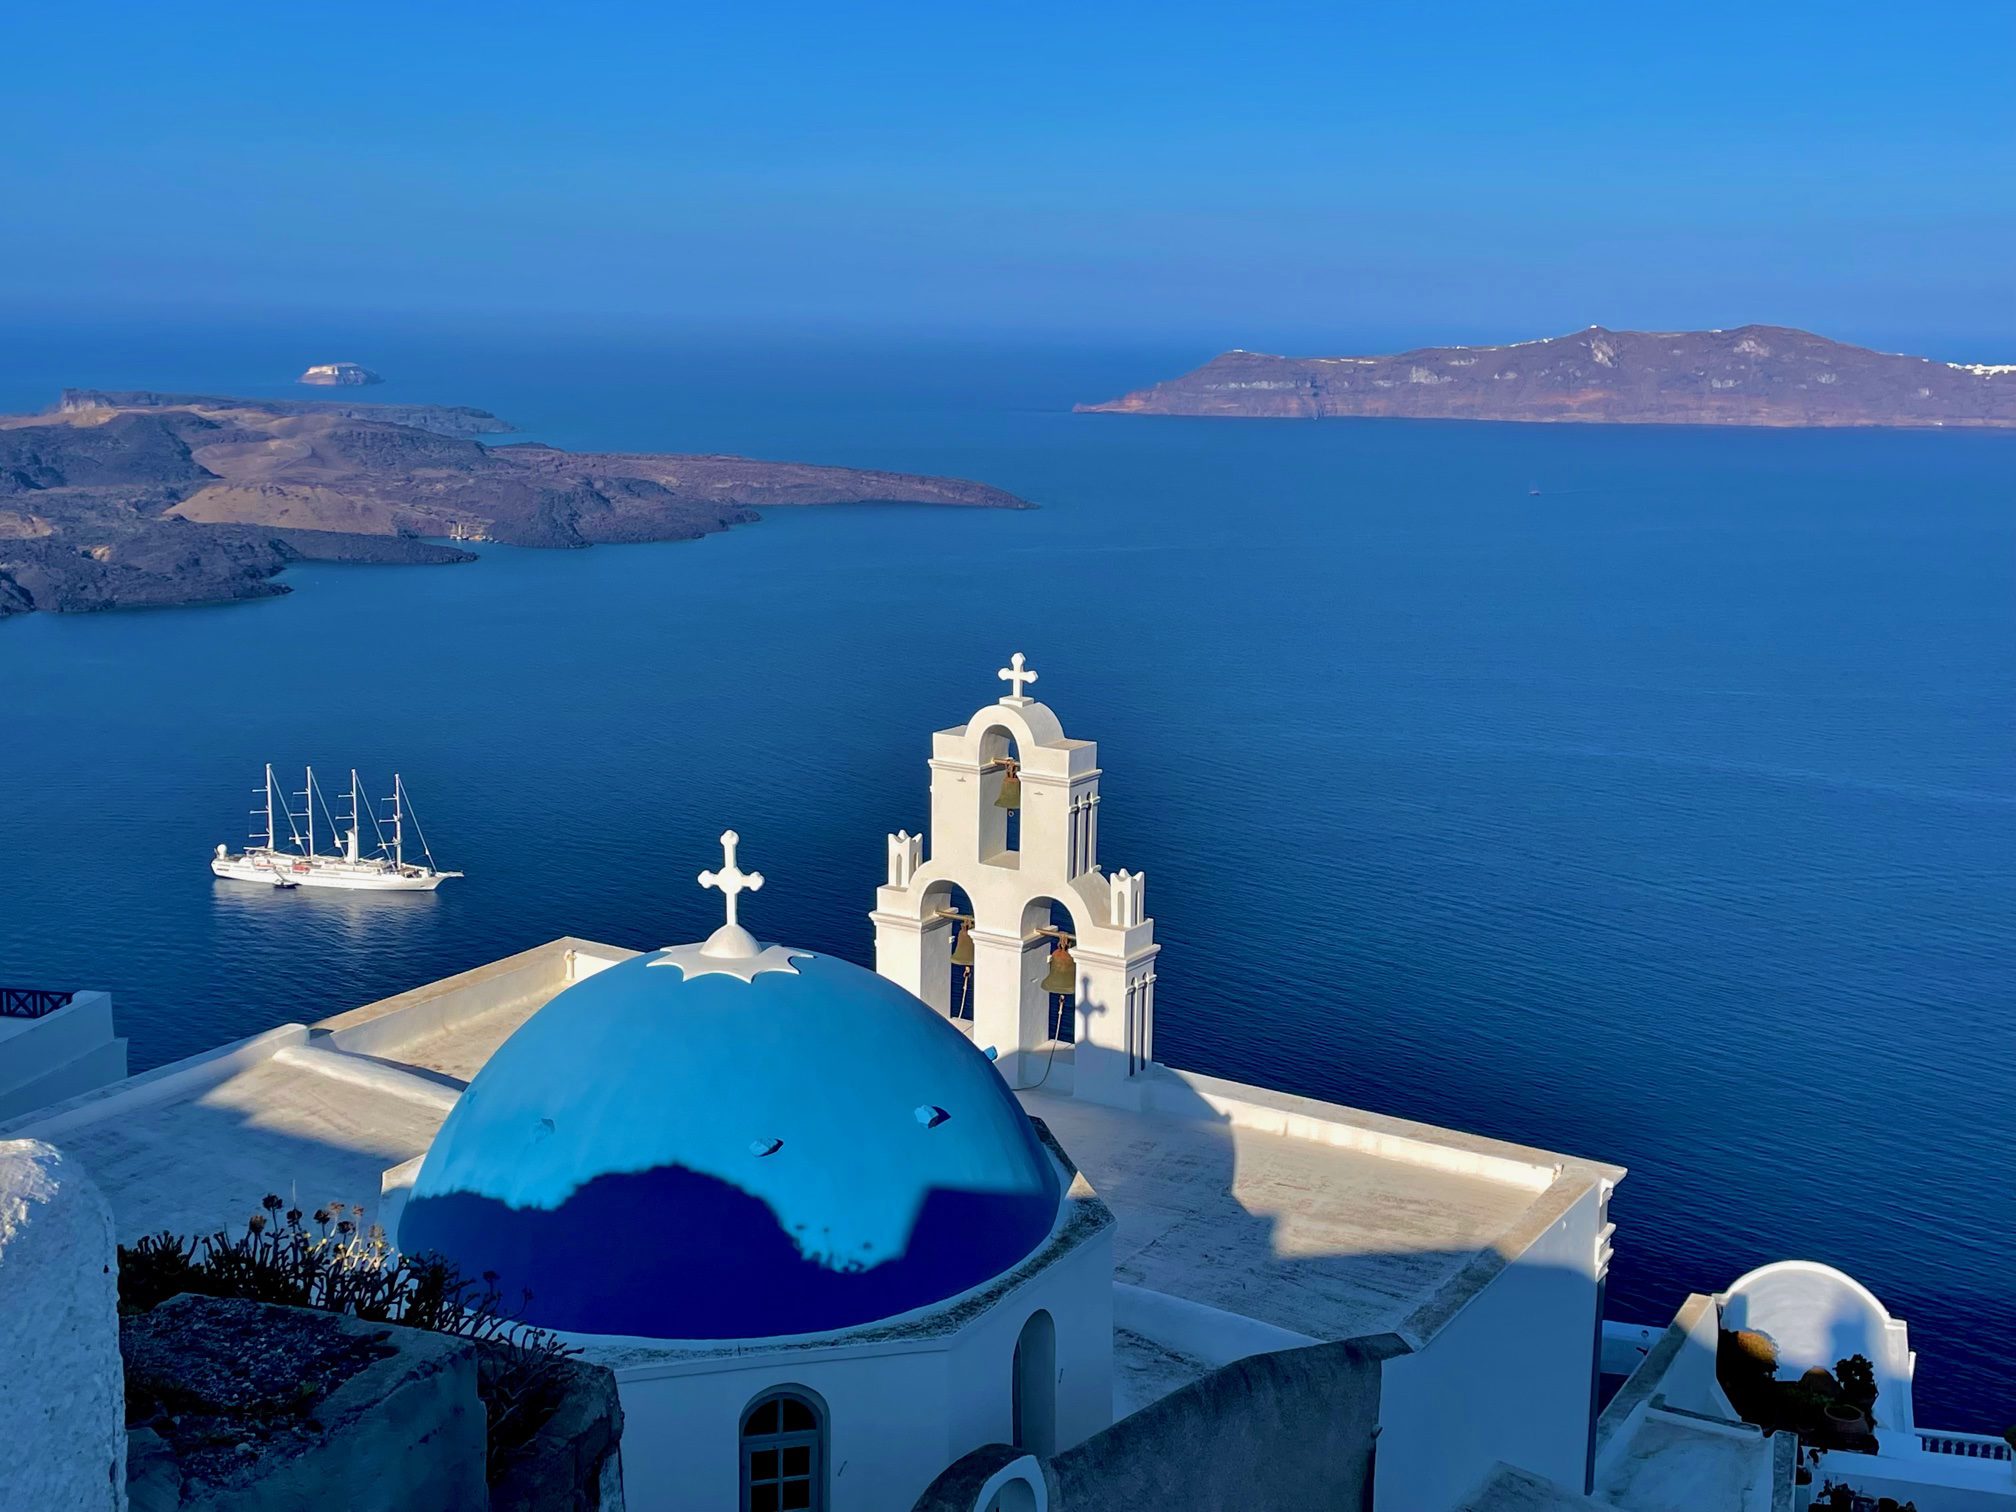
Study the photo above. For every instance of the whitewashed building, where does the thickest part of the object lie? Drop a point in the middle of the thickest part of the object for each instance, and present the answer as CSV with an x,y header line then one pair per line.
x,y
946,1234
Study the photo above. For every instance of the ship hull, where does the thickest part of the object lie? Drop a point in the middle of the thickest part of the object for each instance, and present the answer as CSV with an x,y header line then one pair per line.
x,y
275,870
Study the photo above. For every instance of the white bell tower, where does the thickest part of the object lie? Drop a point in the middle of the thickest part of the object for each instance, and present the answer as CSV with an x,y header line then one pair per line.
x,y
1011,881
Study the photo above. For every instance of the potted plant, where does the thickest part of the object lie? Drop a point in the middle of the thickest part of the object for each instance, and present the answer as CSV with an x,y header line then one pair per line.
x,y
1858,1381
1847,1423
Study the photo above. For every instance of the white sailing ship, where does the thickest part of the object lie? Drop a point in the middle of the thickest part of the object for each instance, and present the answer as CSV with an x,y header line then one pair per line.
x,y
299,864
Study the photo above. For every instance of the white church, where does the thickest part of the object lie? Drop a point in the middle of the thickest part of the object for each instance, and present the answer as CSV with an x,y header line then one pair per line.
x,y
947,1236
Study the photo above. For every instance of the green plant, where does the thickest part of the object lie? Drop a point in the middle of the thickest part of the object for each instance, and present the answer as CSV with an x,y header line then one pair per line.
x,y
1749,1352
160,1266
1816,1406
335,1267
1858,1380
2009,1435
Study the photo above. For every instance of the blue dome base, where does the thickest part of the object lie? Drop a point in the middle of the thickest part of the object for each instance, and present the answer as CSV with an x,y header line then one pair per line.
x,y
601,1258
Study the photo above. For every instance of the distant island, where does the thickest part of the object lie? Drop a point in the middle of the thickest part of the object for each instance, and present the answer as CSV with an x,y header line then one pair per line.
x,y
1753,375
444,419
339,375
120,499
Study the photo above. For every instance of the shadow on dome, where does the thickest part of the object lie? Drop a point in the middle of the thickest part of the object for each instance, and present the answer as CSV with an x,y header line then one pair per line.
x,y
629,1254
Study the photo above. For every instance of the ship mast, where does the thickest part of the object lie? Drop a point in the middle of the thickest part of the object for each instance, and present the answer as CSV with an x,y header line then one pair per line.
x,y
308,803
398,827
399,797
350,845
269,805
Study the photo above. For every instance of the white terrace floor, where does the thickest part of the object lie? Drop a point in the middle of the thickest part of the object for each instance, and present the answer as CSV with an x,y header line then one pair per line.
x,y
1323,1221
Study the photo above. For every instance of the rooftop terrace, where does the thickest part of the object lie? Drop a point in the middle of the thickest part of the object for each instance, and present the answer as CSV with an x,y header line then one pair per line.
x,y
1319,1222
1324,1221
314,1112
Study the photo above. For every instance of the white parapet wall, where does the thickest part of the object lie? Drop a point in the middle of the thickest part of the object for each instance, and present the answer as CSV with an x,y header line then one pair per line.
x,y
1817,1315
71,1050
390,1025
1193,1094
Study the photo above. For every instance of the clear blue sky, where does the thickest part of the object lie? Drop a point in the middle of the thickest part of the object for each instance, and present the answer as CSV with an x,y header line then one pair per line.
x,y
1245,174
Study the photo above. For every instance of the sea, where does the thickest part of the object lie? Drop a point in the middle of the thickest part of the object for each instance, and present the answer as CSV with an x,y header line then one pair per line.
x,y
1643,793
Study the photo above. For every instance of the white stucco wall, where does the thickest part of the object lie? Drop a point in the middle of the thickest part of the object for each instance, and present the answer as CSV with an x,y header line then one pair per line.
x,y
62,1387
1689,1382
681,1430
1817,1316
1934,1482
48,1059
1508,1378
1077,1292
899,1410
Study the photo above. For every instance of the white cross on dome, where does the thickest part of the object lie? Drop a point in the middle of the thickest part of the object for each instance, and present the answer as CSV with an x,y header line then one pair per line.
x,y
731,950
731,879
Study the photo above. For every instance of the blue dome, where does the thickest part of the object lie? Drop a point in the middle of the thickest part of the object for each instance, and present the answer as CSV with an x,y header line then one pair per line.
x,y
712,1158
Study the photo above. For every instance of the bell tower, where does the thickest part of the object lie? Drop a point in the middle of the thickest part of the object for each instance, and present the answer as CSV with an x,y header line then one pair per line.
x,y
1015,830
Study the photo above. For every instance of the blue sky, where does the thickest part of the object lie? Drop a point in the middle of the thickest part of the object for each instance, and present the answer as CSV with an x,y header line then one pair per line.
x,y
1273,175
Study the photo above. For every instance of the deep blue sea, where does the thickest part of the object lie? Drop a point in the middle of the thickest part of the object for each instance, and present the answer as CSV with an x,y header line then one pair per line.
x,y
1667,817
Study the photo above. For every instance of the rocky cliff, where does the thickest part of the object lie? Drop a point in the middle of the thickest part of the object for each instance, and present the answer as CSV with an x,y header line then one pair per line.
x,y
123,499
1755,375
447,419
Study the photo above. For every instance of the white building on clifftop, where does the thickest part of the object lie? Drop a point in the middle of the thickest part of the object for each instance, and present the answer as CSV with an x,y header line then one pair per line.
x,y
949,1236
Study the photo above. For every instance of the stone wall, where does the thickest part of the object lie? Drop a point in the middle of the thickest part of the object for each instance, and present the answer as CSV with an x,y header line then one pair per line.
x,y
235,1406
240,1406
575,1464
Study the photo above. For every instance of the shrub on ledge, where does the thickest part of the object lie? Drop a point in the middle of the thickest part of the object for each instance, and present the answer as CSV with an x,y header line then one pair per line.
x,y
326,1262
1826,1410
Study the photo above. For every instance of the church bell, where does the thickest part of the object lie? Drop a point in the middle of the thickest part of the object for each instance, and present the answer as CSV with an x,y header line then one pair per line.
x,y
1011,789
1062,977
962,943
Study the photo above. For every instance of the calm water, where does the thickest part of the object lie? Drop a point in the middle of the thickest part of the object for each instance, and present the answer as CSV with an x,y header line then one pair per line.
x,y
1667,817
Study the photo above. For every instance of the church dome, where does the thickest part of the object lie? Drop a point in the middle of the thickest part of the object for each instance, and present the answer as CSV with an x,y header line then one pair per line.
x,y
733,1141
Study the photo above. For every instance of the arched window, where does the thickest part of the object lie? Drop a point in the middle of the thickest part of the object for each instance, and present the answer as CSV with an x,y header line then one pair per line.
x,y
1034,1408
784,1452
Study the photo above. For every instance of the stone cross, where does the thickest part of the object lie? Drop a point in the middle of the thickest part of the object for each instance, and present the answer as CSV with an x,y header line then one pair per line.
x,y
731,879
1016,674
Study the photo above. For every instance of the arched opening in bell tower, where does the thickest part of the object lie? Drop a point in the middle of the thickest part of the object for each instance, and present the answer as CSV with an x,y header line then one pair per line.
x,y
948,950
1000,827
1050,971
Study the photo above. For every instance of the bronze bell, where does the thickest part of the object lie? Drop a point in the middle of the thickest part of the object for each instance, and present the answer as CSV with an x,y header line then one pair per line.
x,y
1011,789
1062,977
962,942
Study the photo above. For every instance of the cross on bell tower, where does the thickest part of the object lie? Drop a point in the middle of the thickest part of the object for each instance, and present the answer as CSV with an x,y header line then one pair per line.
x,y
1016,673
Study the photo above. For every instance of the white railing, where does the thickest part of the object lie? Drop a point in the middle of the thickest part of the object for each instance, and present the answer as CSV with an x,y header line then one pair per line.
x,y
1626,1344
1966,1445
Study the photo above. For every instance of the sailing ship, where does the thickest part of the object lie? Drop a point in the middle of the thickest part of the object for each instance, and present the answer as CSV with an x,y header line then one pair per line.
x,y
300,864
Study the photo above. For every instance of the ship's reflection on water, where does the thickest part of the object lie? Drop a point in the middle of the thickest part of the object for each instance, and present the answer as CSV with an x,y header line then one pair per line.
x,y
298,948
332,913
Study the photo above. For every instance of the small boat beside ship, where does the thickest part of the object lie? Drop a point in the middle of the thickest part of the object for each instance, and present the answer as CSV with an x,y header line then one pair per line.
x,y
300,863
